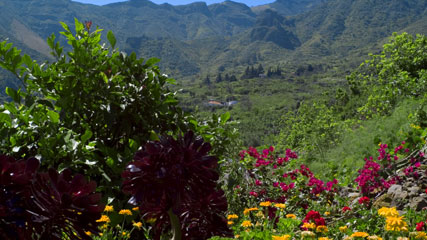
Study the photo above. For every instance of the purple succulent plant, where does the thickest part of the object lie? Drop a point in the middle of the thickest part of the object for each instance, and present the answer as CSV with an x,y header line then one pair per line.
x,y
178,175
37,205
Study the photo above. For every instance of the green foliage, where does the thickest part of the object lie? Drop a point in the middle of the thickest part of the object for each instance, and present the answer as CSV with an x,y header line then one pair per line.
x,y
311,130
399,72
89,110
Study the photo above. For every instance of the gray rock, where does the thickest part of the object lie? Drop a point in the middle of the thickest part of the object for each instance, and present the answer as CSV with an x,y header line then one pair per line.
x,y
354,195
418,203
413,191
394,189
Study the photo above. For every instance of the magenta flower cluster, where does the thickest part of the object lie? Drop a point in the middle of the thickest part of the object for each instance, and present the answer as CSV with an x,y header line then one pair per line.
x,y
375,175
269,169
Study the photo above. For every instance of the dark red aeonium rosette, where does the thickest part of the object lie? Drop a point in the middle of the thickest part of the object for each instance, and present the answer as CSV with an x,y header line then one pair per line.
x,y
205,218
63,204
15,180
171,174
45,205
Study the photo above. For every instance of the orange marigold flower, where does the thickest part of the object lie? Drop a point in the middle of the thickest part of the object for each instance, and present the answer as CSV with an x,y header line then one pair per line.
x,y
265,204
230,222
247,210
293,216
125,212
322,229
246,223
284,237
138,225
104,218
232,216
135,209
309,225
280,205
360,234
108,208
88,233
343,229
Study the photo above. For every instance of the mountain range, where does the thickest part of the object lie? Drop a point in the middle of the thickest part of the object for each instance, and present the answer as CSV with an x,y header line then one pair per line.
x,y
196,39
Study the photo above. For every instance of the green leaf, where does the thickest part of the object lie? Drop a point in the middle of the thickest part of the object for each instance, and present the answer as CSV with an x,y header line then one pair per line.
x,y
111,38
104,77
86,136
13,94
51,41
54,116
153,136
27,60
5,118
225,117
65,26
79,25
110,162
151,62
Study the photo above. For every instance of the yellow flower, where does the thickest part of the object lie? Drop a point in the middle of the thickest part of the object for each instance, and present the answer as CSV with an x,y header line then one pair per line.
x,y
359,234
104,218
291,216
136,209
236,236
324,238
284,237
103,227
88,233
230,222
309,225
421,235
232,216
374,237
388,212
248,210
125,212
108,208
246,223
280,205
322,229
265,204
402,238
343,229
327,213
125,234
100,234
396,224
138,225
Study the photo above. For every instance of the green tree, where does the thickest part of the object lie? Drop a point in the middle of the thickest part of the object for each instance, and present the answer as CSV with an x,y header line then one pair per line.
x,y
399,72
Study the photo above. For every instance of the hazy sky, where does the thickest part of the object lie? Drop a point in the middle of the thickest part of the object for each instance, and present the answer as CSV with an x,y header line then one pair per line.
x,y
180,2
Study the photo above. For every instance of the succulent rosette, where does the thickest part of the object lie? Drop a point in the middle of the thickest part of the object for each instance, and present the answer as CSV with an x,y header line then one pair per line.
x,y
36,205
173,175
64,204
205,218
15,179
